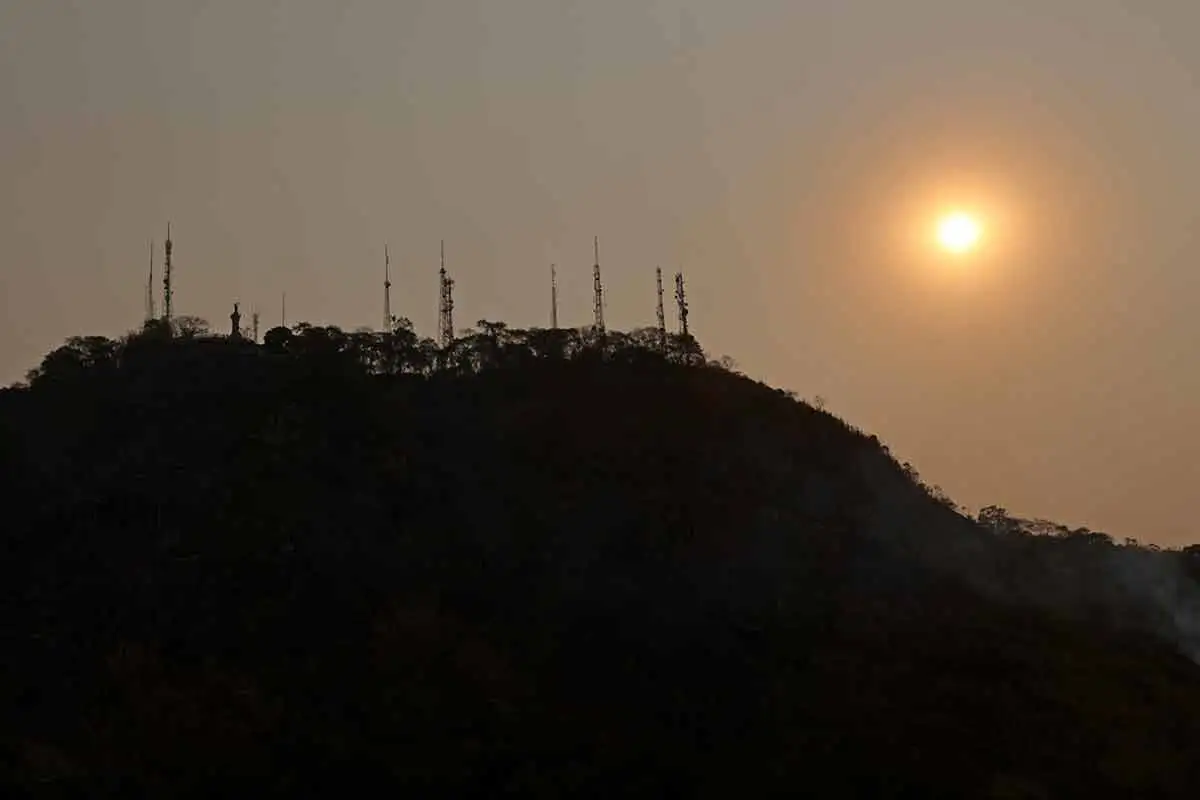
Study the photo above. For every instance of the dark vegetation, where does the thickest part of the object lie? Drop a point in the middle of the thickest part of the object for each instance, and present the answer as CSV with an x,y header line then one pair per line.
x,y
543,563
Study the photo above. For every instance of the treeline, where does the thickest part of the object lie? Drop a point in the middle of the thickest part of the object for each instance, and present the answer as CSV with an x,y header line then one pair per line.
x,y
1089,575
401,351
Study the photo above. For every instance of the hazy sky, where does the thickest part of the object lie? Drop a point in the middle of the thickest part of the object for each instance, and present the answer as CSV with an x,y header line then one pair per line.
x,y
790,155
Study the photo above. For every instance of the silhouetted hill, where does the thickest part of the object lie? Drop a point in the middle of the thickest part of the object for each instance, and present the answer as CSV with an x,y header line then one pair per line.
x,y
543,563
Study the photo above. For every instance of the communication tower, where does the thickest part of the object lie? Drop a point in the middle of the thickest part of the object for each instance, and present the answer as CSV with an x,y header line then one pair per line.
x,y
168,296
387,291
662,316
553,298
681,300
446,306
150,313
598,288
254,323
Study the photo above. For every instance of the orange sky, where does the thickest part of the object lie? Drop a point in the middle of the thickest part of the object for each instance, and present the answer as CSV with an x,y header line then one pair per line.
x,y
791,157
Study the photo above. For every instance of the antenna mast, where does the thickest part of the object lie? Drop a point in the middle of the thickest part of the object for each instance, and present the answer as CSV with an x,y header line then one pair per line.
x,y
662,316
283,311
167,294
446,309
150,314
553,298
598,288
681,300
254,322
387,291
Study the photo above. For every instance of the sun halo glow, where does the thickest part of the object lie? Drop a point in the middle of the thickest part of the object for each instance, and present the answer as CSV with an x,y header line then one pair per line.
x,y
958,232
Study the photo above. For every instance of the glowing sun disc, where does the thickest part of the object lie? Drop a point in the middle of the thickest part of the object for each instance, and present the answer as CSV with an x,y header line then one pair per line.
x,y
958,232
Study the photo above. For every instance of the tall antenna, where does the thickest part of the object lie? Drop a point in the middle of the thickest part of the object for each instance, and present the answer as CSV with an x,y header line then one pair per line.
x,y
662,316
681,300
150,286
446,306
254,322
387,291
283,311
167,294
553,298
598,288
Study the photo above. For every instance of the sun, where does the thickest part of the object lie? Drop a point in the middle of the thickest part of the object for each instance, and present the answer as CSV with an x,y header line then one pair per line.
x,y
958,232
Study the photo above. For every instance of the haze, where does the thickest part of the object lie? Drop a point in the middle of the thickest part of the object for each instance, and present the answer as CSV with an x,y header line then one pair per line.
x,y
788,156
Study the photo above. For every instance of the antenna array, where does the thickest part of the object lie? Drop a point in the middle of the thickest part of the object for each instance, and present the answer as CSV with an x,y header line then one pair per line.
x,y
446,298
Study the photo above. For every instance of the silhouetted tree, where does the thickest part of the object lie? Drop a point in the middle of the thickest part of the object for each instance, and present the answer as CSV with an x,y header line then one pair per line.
x,y
188,327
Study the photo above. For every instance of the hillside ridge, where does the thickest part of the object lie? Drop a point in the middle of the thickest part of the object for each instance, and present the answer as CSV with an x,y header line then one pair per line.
x,y
540,562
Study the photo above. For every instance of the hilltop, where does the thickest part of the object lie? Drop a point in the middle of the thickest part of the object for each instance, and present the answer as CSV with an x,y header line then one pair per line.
x,y
541,563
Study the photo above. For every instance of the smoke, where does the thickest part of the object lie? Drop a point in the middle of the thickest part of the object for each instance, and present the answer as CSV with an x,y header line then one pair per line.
x,y
1158,580
1078,574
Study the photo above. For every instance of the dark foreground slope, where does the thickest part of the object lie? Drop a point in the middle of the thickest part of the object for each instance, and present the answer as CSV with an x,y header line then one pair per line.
x,y
252,571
